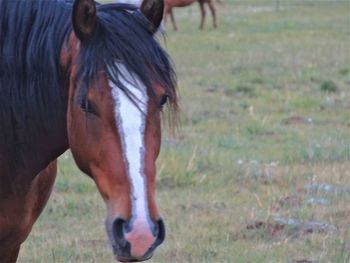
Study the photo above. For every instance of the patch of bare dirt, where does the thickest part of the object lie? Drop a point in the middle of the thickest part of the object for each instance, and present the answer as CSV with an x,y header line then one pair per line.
x,y
216,206
297,120
289,228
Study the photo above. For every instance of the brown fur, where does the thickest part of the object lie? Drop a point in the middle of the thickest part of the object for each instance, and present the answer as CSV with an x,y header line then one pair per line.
x,y
22,210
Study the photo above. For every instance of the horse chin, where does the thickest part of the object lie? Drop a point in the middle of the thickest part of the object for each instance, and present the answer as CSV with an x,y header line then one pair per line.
x,y
121,256
125,259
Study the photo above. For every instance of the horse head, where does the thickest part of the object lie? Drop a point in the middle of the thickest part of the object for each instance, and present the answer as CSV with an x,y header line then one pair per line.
x,y
114,117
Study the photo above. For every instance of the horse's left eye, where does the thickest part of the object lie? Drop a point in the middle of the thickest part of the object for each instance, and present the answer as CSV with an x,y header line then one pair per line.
x,y
88,107
163,100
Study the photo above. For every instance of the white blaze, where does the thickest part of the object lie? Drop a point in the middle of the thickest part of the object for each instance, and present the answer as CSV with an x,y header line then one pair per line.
x,y
131,121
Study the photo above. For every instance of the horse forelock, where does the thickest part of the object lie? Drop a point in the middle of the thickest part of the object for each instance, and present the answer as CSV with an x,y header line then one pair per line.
x,y
124,36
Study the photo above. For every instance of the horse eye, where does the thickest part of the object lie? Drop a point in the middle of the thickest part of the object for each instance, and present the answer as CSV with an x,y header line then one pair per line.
x,y
88,107
163,100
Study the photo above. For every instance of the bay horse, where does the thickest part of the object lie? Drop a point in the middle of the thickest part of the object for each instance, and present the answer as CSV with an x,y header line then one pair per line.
x,y
92,78
169,4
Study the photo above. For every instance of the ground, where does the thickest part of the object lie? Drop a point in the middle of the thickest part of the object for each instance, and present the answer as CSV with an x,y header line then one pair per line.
x,y
262,151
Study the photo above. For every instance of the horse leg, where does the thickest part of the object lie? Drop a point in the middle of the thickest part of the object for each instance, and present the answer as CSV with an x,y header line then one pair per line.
x,y
40,190
213,13
201,6
173,19
165,16
25,211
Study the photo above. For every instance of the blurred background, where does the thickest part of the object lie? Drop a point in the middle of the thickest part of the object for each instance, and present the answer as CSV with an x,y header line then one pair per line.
x,y
259,167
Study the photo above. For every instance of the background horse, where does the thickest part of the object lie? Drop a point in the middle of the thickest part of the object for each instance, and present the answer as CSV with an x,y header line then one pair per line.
x,y
96,84
169,4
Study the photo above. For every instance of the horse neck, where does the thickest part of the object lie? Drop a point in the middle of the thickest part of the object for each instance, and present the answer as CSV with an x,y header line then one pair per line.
x,y
30,148
25,155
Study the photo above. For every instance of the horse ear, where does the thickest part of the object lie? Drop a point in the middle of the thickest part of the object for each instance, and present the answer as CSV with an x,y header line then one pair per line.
x,y
84,18
153,10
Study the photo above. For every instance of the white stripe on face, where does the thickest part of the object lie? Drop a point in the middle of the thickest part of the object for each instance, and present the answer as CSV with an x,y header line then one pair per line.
x,y
131,121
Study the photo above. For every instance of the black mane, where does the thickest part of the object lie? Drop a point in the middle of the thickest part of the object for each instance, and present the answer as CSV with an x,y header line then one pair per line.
x,y
32,102
33,86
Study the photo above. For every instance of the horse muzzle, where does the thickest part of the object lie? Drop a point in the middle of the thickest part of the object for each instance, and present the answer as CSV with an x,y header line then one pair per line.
x,y
135,242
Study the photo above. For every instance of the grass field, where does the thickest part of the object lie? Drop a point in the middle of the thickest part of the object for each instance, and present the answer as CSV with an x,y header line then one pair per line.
x,y
265,114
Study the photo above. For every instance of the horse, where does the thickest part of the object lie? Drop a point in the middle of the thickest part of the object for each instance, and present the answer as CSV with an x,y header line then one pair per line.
x,y
91,78
131,2
169,4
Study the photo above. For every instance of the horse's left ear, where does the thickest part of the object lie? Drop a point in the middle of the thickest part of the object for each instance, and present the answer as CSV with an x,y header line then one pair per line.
x,y
153,10
84,18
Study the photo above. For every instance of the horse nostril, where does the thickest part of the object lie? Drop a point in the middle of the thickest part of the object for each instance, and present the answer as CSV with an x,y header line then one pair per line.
x,y
118,233
159,232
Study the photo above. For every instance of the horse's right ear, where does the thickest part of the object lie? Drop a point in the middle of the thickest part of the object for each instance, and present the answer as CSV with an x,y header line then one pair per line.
x,y
84,18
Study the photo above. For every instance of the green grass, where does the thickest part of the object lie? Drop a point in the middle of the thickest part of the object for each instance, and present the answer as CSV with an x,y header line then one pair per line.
x,y
238,153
